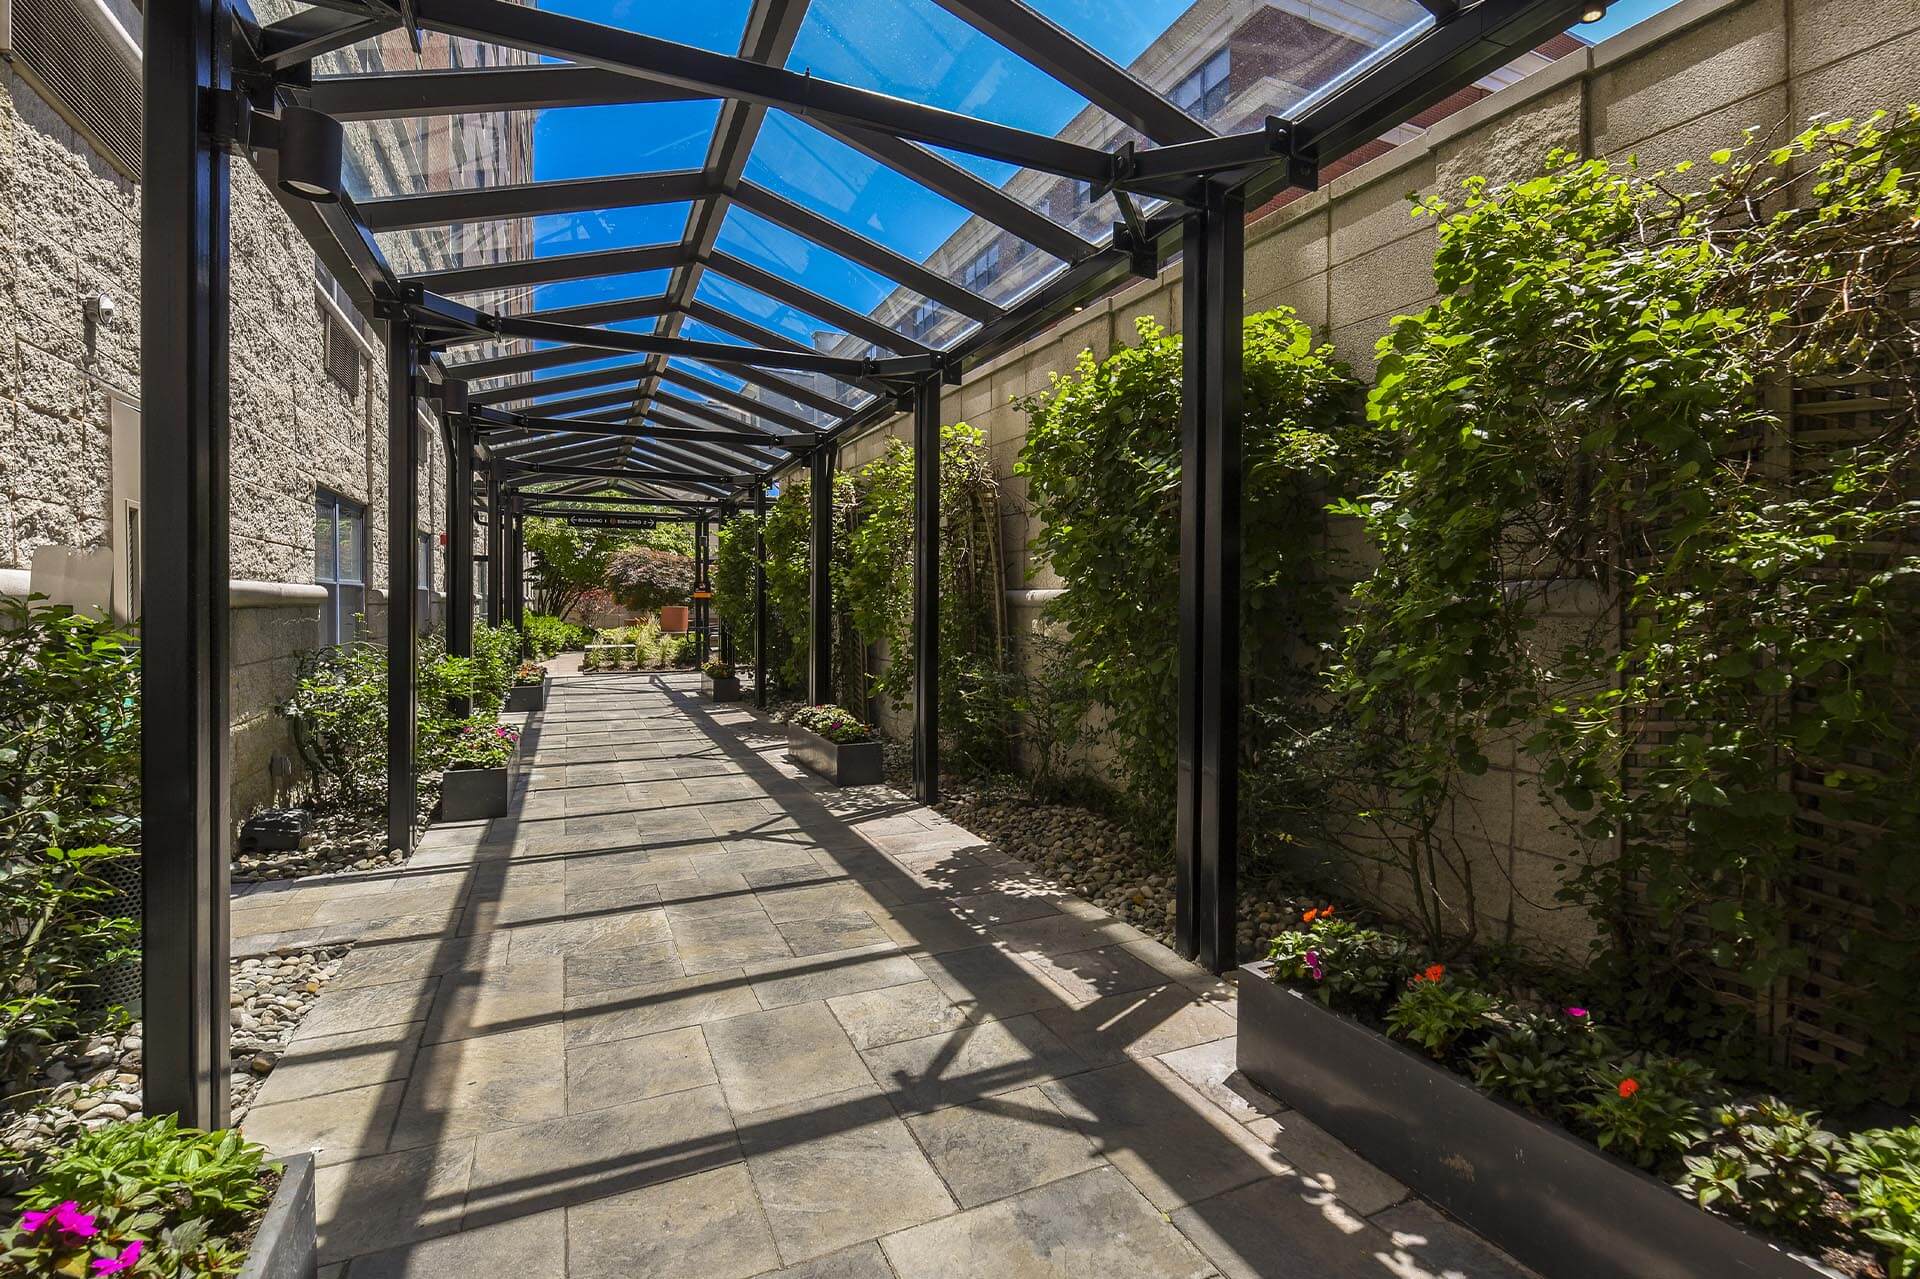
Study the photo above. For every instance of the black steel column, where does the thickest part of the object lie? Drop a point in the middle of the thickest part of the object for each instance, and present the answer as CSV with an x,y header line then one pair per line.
x,y
403,572
1208,749
820,578
184,606
926,591
726,631
760,594
517,569
701,615
496,546
459,524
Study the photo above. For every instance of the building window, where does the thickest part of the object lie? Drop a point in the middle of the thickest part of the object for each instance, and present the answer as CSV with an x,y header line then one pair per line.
x,y
925,315
983,270
423,585
1204,94
340,564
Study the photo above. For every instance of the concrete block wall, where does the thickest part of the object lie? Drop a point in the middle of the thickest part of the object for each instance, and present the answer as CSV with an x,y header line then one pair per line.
x,y
1350,257
69,229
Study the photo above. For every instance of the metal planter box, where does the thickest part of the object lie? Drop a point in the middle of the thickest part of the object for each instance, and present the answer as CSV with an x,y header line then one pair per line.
x,y
476,794
528,697
1552,1200
856,764
285,1246
720,690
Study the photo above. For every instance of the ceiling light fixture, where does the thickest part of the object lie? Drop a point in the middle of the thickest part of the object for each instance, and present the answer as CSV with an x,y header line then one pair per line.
x,y
311,145
1593,13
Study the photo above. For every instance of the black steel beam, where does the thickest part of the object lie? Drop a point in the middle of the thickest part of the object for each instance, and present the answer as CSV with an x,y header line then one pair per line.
x,y
404,94
518,391
844,318
587,426
521,472
602,499
727,395
1064,57
620,399
184,649
403,571
711,414
726,322
722,353
820,469
1207,750
517,567
926,591
662,61
313,33
1442,60
532,199
548,270
858,248
760,594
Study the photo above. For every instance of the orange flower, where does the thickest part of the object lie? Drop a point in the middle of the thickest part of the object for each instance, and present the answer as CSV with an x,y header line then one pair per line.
x,y
1629,1086
1434,972
1326,912
1309,916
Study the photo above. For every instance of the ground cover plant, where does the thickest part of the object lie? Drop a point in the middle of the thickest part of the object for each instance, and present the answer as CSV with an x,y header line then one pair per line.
x,y
69,813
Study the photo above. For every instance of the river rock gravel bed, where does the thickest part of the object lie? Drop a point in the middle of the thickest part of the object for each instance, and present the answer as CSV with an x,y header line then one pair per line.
x,y
95,1081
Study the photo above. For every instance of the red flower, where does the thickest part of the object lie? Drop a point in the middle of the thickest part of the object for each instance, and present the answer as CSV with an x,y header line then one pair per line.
x,y
1629,1086
1309,916
1434,972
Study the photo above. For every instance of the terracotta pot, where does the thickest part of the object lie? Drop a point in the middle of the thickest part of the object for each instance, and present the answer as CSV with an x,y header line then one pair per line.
x,y
673,619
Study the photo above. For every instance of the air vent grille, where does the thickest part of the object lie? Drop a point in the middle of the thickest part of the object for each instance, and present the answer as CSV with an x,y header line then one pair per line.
x,y
89,75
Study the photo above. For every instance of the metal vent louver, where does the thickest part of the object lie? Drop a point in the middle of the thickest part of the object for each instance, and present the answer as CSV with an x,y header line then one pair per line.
x,y
88,74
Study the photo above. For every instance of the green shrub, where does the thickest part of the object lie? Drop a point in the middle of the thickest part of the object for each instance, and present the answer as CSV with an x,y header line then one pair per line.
x,y
1348,968
478,742
69,807
1768,1164
1440,1012
644,579
1887,1204
1102,465
169,1200
548,636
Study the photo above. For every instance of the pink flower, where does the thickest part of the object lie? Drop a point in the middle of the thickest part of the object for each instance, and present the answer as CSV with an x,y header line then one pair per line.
x,y
128,1258
1576,1012
67,1219
1312,959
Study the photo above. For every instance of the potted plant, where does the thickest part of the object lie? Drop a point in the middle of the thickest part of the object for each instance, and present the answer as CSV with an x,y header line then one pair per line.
x,y
152,1198
529,691
832,742
1348,1027
718,682
482,761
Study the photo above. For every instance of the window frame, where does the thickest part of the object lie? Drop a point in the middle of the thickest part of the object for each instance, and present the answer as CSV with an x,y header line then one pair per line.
x,y
337,627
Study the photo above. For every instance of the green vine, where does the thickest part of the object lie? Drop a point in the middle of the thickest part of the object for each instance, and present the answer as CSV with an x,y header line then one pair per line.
x,y
1102,464
1592,428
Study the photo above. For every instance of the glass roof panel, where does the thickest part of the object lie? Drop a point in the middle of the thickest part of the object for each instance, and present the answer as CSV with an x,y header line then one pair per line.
x,y
718,25
771,398
418,155
758,308
793,257
464,244
818,383
913,49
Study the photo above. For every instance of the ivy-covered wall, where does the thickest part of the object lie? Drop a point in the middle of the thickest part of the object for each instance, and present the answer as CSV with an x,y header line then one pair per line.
x,y
1349,258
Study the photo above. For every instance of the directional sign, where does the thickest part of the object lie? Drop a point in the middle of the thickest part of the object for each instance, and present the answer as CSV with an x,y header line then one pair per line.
x,y
584,519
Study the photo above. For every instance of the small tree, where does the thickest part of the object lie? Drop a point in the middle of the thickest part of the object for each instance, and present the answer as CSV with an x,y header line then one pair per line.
x,y
644,579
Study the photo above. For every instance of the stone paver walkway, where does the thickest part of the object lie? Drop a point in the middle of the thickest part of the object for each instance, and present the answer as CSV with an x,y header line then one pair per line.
x,y
688,1012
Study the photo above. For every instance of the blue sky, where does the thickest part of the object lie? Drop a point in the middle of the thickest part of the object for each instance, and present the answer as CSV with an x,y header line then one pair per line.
x,y
908,48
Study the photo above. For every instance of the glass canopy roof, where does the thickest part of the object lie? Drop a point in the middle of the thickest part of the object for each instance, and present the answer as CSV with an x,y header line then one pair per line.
x,y
656,205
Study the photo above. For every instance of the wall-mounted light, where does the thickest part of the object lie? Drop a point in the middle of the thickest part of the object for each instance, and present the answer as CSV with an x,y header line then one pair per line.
x,y
1593,13
311,146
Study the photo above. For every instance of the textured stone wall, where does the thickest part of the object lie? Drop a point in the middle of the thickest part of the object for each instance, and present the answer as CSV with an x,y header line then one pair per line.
x,y
1348,258
69,229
